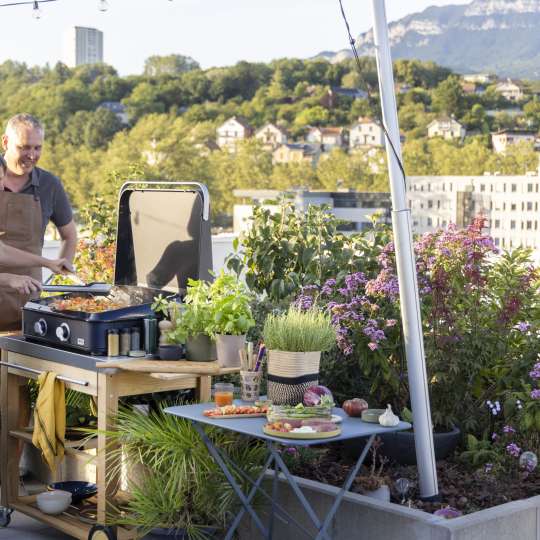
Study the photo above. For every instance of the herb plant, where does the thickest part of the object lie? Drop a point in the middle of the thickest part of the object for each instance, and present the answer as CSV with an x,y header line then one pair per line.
x,y
299,331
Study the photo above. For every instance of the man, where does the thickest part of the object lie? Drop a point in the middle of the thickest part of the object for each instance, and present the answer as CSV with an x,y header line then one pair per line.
x,y
31,197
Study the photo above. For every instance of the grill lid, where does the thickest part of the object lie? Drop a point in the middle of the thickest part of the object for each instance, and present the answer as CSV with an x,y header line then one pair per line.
x,y
163,235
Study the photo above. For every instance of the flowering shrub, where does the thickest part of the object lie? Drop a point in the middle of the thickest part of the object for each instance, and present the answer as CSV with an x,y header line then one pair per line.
x,y
507,450
479,314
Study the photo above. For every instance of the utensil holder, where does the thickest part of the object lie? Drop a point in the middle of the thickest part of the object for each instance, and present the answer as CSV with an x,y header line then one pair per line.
x,y
250,384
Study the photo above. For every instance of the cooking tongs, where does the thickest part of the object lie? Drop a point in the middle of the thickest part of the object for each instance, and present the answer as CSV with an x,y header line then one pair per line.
x,y
82,287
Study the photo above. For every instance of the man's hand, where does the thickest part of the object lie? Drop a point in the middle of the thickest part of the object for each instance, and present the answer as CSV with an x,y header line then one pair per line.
x,y
22,284
60,266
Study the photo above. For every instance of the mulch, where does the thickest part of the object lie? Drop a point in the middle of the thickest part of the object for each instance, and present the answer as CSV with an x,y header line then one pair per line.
x,y
460,486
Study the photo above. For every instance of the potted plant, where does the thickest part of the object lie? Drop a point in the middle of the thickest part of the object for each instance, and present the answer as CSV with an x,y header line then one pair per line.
x,y
175,486
168,348
230,317
374,484
191,323
295,340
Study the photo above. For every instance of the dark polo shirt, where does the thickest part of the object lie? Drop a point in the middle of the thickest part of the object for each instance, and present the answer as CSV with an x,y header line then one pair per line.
x,y
54,201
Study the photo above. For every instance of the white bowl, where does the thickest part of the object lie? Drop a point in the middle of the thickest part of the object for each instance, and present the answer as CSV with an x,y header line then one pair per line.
x,y
53,502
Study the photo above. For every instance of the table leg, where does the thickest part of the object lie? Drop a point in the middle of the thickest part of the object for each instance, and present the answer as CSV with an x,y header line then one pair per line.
x,y
107,408
351,476
204,388
246,501
274,499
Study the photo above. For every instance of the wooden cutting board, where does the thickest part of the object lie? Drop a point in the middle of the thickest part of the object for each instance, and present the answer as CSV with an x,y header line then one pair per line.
x,y
168,366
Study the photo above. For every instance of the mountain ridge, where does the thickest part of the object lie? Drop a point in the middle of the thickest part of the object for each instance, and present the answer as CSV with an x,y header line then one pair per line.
x,y
499,36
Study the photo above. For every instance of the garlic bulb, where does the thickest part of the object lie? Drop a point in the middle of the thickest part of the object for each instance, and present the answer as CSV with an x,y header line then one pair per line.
x,y
388,418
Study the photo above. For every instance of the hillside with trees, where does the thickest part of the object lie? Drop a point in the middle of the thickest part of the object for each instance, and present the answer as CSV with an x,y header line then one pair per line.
x,y
175,107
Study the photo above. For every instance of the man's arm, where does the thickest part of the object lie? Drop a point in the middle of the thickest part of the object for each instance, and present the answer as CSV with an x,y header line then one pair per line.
x,y
10,256
21,284
68,235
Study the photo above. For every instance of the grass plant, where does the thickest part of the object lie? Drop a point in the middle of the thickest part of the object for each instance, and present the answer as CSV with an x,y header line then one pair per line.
x,y
299,331
173,481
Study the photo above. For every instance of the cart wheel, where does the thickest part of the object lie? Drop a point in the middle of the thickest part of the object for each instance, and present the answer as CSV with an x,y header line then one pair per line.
x,y
5,516
102,532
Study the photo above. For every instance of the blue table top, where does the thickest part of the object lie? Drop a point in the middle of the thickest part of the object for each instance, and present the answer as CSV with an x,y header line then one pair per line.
x,y
351,428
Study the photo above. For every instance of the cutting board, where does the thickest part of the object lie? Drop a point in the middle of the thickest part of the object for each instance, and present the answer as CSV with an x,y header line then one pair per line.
x,y
168,366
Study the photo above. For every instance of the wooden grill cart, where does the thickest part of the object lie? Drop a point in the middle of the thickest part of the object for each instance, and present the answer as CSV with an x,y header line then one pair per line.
x,y
163,238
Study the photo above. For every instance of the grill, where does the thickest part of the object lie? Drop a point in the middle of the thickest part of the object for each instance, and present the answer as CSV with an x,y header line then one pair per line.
x,y
163,239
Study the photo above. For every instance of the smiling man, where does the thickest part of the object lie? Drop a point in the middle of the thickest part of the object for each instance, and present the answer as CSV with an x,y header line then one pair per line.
x,y
30,198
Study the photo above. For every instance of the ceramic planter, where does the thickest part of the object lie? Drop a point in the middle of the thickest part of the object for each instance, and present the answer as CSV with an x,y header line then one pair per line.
x,y
171,352
228,349
200,348
382,493
290,374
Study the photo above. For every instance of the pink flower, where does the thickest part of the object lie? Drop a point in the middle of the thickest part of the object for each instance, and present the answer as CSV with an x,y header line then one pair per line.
x,y
372,346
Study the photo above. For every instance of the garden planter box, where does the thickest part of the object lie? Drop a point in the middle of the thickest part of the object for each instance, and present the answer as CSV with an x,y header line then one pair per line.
x,y
361,517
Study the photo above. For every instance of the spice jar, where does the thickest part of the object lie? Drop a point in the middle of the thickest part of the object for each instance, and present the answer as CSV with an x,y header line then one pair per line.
x,y
135,339
223,394
113,342
125,341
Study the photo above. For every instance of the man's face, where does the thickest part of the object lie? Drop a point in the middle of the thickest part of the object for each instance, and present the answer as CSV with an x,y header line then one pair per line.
x,y
22,149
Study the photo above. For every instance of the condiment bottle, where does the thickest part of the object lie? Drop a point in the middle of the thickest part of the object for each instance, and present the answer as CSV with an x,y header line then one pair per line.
x,y
125,341
135,339
113,342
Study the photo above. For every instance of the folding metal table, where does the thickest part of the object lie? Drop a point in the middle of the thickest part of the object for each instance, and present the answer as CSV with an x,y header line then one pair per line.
x,y
351,428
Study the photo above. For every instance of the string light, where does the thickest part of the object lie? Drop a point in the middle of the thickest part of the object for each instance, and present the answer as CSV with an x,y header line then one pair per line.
x,y
36,10
103,5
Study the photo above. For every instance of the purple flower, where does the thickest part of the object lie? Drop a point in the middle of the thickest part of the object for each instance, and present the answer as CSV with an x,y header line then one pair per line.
x,y
535,373
393,322
488,467
508,429
494,436
535,394
447,513
522,326
513,449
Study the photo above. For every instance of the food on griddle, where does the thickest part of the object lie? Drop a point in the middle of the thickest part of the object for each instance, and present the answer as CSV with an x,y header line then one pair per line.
x,y
89,304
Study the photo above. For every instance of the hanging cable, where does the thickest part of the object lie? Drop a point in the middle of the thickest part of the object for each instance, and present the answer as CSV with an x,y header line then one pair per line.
x,y
359,68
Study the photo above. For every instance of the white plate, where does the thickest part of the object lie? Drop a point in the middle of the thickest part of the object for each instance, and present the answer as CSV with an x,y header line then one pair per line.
x,y
336,419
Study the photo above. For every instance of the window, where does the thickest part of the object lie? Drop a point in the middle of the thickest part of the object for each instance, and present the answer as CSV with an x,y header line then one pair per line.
x,y
482,187
504,206
497,223
514,188
512,224
529,206
503,242
496,241
535,206
443,223
513,206
491,205
529,225
429,187
491,188
522,206
443,186
430,204
438,205
450,186
529,188
504,189
429,222
421,188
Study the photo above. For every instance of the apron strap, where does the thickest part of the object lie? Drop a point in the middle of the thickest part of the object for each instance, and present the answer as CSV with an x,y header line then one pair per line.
x,y
35,183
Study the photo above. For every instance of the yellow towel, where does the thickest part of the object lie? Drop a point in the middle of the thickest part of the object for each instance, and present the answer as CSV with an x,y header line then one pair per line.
x,y
50,419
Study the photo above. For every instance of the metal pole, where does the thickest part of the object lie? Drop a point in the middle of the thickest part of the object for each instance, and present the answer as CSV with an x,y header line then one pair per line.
x,y
405,261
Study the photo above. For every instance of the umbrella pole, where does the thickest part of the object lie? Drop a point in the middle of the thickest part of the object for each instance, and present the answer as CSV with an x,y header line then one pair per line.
x,y
406,267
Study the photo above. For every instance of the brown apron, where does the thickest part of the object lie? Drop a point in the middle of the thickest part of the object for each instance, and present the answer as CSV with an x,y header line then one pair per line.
x,y
20,220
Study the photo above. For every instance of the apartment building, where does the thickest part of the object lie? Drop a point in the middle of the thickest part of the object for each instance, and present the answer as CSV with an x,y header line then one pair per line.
x,y
82,46
511,205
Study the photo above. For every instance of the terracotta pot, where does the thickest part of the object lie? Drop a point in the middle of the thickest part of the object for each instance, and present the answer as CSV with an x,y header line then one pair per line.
x,y
200,348
228,349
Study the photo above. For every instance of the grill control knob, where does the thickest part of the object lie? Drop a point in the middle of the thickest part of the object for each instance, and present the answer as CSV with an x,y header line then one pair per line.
x,y
63,332
40,327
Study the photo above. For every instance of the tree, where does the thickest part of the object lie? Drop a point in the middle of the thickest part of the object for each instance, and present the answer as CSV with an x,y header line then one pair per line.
x,y
314,116
448,97
173,64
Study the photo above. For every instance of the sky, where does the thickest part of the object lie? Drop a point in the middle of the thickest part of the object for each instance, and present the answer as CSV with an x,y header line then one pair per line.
x,y
213,32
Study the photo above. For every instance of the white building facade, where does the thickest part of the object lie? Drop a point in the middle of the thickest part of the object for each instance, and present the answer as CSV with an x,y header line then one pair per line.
x,y
366,133
83,46
511,205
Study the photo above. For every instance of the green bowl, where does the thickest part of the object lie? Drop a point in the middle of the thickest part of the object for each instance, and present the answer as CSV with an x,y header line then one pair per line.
x,y
372,415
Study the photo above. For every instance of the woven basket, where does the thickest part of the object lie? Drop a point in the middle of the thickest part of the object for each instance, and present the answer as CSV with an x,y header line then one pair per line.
x,y
290,374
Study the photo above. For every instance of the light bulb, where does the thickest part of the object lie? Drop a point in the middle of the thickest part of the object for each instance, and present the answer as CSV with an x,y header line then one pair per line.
x,y
36,11
103,5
